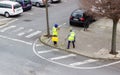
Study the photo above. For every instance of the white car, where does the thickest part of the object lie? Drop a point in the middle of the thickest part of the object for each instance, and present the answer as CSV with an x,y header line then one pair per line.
x,y
10,8
38,3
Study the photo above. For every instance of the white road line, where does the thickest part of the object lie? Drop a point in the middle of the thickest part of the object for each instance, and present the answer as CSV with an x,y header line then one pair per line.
x,y
62,57
23,33
47,51
33,34
19,29
16,40
20,34
7,28
75,67
83,62
8,23
40,45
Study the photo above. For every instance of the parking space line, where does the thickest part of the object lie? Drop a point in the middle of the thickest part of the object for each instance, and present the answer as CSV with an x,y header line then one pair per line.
x,y
19,29
22,33
83,62
62,57
46,51
7,28
33,34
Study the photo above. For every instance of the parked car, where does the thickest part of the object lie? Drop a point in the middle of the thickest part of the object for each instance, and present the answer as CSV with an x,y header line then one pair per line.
x,y
53,1
38,3
26,4
10,8
80,18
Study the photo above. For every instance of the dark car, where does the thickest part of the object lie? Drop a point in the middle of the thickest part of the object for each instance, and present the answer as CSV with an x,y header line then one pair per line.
x,y
26,4
80,18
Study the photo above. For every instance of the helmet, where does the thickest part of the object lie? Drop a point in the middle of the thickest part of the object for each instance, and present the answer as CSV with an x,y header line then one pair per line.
x,y
56,25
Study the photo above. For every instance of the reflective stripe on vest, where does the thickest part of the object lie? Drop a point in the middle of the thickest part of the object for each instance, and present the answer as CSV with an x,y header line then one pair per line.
x,y
72,36
54,31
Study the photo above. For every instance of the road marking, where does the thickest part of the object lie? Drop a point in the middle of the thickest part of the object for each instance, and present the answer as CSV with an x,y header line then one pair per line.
x,y
19,29
20,34
23,33
75,67
83,62
7,28
8,23
46,51
33,34
62,57
17,40
40,45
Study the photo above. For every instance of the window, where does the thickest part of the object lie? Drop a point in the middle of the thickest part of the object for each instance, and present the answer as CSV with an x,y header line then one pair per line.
x,y
17,6
5,6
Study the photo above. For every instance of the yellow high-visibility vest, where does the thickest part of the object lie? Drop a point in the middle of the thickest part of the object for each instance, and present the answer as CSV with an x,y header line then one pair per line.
x,y
54,31
71,36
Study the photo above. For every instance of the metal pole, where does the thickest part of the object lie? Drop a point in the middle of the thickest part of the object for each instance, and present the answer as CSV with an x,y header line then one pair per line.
x,y
47,17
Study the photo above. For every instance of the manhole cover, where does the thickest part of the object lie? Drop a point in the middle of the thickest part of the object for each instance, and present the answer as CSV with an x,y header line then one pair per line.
x,y
27,20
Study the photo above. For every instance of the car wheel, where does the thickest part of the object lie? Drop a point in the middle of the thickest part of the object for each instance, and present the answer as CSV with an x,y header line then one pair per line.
x,y
7,14
38,4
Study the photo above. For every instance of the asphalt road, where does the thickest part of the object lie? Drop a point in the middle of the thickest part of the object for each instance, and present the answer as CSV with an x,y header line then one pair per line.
x,y
23,54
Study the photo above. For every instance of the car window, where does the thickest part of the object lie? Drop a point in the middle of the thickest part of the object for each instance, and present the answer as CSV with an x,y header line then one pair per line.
x,y
5,5
77,14
17,6
26,0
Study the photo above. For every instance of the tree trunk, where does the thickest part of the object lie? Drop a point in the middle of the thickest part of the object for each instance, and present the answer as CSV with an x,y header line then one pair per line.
x,y
114,34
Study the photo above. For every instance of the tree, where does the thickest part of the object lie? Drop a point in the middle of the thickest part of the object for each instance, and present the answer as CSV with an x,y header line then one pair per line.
x,y
106,8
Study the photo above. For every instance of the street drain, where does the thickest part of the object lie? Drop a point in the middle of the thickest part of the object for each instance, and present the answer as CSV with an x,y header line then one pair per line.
x,y
27,20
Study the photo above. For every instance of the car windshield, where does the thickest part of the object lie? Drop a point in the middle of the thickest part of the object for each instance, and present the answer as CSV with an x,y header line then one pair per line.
x,y
77,14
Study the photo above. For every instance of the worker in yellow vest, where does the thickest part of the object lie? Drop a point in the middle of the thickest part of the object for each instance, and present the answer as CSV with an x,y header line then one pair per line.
x,y
71,39
55,34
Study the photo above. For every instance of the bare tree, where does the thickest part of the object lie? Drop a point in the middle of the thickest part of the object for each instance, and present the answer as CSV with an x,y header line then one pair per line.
x,y
106,8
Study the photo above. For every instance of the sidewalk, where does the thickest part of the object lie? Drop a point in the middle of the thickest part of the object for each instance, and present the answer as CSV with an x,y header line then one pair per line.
x,y
94,43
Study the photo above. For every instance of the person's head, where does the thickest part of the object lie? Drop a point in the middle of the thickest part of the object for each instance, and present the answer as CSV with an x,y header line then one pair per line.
x,y
55,25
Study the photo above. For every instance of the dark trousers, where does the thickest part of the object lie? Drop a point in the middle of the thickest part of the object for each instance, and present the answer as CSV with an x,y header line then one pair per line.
x,y
55,43
73,42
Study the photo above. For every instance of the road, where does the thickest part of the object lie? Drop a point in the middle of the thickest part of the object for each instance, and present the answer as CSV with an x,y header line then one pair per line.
x,y
23,54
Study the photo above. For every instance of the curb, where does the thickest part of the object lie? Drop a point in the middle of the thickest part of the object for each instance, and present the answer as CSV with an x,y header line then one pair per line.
x,y
71,51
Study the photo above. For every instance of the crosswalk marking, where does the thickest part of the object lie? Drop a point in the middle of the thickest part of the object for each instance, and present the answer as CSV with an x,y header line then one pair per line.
x,y
46,51
7,28
19,29
61,57
83,62
22,33
33,34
